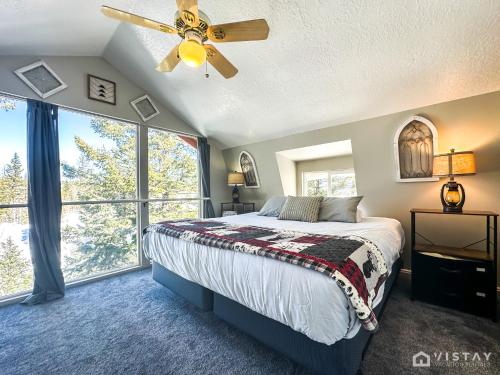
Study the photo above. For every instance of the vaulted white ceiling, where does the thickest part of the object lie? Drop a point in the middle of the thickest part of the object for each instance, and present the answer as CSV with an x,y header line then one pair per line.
x,y
325,62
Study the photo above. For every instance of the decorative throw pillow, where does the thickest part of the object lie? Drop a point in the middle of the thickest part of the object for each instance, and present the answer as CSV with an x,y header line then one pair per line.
x,y
273,206
339,209
301,209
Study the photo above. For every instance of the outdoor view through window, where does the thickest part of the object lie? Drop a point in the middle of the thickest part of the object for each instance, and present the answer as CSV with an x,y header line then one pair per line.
x,y
329,184
15,264
99,187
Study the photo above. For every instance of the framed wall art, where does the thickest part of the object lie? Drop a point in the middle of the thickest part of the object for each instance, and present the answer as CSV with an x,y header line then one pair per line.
x,y
41,79
249,170
145,107
415,144
101,89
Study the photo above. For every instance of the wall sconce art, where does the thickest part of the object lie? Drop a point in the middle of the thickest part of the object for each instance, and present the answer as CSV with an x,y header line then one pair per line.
x,y
415,143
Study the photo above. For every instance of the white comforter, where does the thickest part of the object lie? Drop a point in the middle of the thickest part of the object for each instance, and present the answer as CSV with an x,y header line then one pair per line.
x,y
303,299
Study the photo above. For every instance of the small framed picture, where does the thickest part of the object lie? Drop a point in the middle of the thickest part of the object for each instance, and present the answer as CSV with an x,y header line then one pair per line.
x,y
145,107
101,89
41,79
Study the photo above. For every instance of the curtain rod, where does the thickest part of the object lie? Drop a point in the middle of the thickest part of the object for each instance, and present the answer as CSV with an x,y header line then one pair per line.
x,y
16,96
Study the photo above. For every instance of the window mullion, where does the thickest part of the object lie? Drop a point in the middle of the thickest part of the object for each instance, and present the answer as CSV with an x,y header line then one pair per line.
x,y
142,181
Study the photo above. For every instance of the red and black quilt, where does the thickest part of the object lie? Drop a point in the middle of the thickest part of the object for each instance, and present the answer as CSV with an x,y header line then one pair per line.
x,y
356,264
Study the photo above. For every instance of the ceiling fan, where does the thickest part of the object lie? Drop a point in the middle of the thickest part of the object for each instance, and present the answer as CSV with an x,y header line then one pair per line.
x,y
194,28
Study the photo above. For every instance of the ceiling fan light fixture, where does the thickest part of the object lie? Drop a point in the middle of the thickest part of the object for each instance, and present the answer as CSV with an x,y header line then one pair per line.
x,y
192,52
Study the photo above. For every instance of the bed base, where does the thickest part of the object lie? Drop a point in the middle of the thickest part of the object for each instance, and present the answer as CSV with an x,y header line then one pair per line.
x,y
194,293
342,358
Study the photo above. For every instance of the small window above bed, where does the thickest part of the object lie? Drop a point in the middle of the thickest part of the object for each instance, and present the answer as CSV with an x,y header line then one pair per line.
x,y
338,183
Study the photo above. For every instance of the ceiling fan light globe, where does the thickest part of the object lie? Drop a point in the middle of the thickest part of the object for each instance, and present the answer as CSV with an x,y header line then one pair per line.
x,y
192,53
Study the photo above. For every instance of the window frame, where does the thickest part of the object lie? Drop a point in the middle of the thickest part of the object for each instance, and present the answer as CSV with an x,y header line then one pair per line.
x,y
198,171
329,174
141,200
18,295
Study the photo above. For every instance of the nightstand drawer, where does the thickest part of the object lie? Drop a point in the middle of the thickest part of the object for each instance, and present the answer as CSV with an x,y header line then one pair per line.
x,y
479,274
478,302
431,280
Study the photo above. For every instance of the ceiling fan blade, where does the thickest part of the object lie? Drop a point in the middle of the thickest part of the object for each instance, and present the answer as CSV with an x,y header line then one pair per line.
x,y
239,31
170,61
188,10
219,62
137,20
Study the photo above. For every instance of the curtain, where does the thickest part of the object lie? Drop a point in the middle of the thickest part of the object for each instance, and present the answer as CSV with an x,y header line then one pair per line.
x,y
44,202
204,157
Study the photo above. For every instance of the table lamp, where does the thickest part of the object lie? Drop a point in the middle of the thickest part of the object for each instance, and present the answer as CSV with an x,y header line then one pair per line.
x,y
450,165
236,179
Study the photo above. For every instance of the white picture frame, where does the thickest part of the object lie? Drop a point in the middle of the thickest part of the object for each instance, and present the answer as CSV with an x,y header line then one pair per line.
x,y
39,68
435,147
249,170
145,116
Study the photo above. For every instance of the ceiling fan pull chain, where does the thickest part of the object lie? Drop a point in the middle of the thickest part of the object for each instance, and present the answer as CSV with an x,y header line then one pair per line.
x,y
206,70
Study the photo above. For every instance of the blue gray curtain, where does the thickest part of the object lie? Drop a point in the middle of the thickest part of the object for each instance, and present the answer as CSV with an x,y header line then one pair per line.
x,y
204,155
44,202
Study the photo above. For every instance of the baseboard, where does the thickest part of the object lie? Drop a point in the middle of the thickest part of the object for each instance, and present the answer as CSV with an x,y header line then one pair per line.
x,y
405,275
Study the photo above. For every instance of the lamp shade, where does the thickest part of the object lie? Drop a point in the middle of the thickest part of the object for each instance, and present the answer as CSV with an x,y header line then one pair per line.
x,y
454,164
235,178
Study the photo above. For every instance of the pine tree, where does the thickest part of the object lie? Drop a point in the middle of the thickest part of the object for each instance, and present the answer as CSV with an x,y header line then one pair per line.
x,y
106,236
7,104
14,181
15,271
13,187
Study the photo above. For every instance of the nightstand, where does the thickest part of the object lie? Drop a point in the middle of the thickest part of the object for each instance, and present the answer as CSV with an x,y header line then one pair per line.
x,y
239,208
459,278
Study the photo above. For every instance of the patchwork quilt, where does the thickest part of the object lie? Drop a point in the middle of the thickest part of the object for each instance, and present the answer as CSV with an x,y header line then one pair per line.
x,y
355,263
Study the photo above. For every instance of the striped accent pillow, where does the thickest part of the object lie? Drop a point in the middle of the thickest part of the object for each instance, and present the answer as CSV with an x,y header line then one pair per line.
x,y
301,209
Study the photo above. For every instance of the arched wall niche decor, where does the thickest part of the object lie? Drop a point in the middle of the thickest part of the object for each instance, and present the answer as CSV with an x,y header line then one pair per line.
x,y
249,170
415,144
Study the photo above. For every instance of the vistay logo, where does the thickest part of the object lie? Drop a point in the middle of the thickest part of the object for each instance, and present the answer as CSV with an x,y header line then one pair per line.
x,y
421,359
462,356
452,359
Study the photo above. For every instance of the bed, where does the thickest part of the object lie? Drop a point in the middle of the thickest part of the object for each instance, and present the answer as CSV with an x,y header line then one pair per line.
x,y
295,310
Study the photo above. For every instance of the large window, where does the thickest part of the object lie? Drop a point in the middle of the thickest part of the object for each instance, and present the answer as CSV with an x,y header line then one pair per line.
x,y
329,184
15,265
99,193
107,197
172,176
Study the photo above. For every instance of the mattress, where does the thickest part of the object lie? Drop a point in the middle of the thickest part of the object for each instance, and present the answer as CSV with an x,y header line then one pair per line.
x,y
303,299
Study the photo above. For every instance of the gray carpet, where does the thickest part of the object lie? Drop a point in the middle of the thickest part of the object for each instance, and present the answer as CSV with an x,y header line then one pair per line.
x,y
131,325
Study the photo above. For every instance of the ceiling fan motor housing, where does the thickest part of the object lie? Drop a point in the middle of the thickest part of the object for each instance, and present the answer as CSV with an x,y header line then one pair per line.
x,y
194,35
184,29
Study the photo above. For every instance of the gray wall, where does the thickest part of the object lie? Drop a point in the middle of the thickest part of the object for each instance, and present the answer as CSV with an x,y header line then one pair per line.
x,y
218,177
73,71
467,124
324,164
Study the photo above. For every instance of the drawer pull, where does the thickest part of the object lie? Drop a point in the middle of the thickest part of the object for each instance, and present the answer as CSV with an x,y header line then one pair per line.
x,y
450,294
481,294
450,271
480,269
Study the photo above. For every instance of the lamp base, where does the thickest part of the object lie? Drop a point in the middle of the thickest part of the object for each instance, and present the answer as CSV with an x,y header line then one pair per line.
x,y
452,209
236,195
454,198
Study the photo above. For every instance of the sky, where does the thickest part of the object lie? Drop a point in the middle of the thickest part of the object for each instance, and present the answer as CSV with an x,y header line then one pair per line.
x,y
13,134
